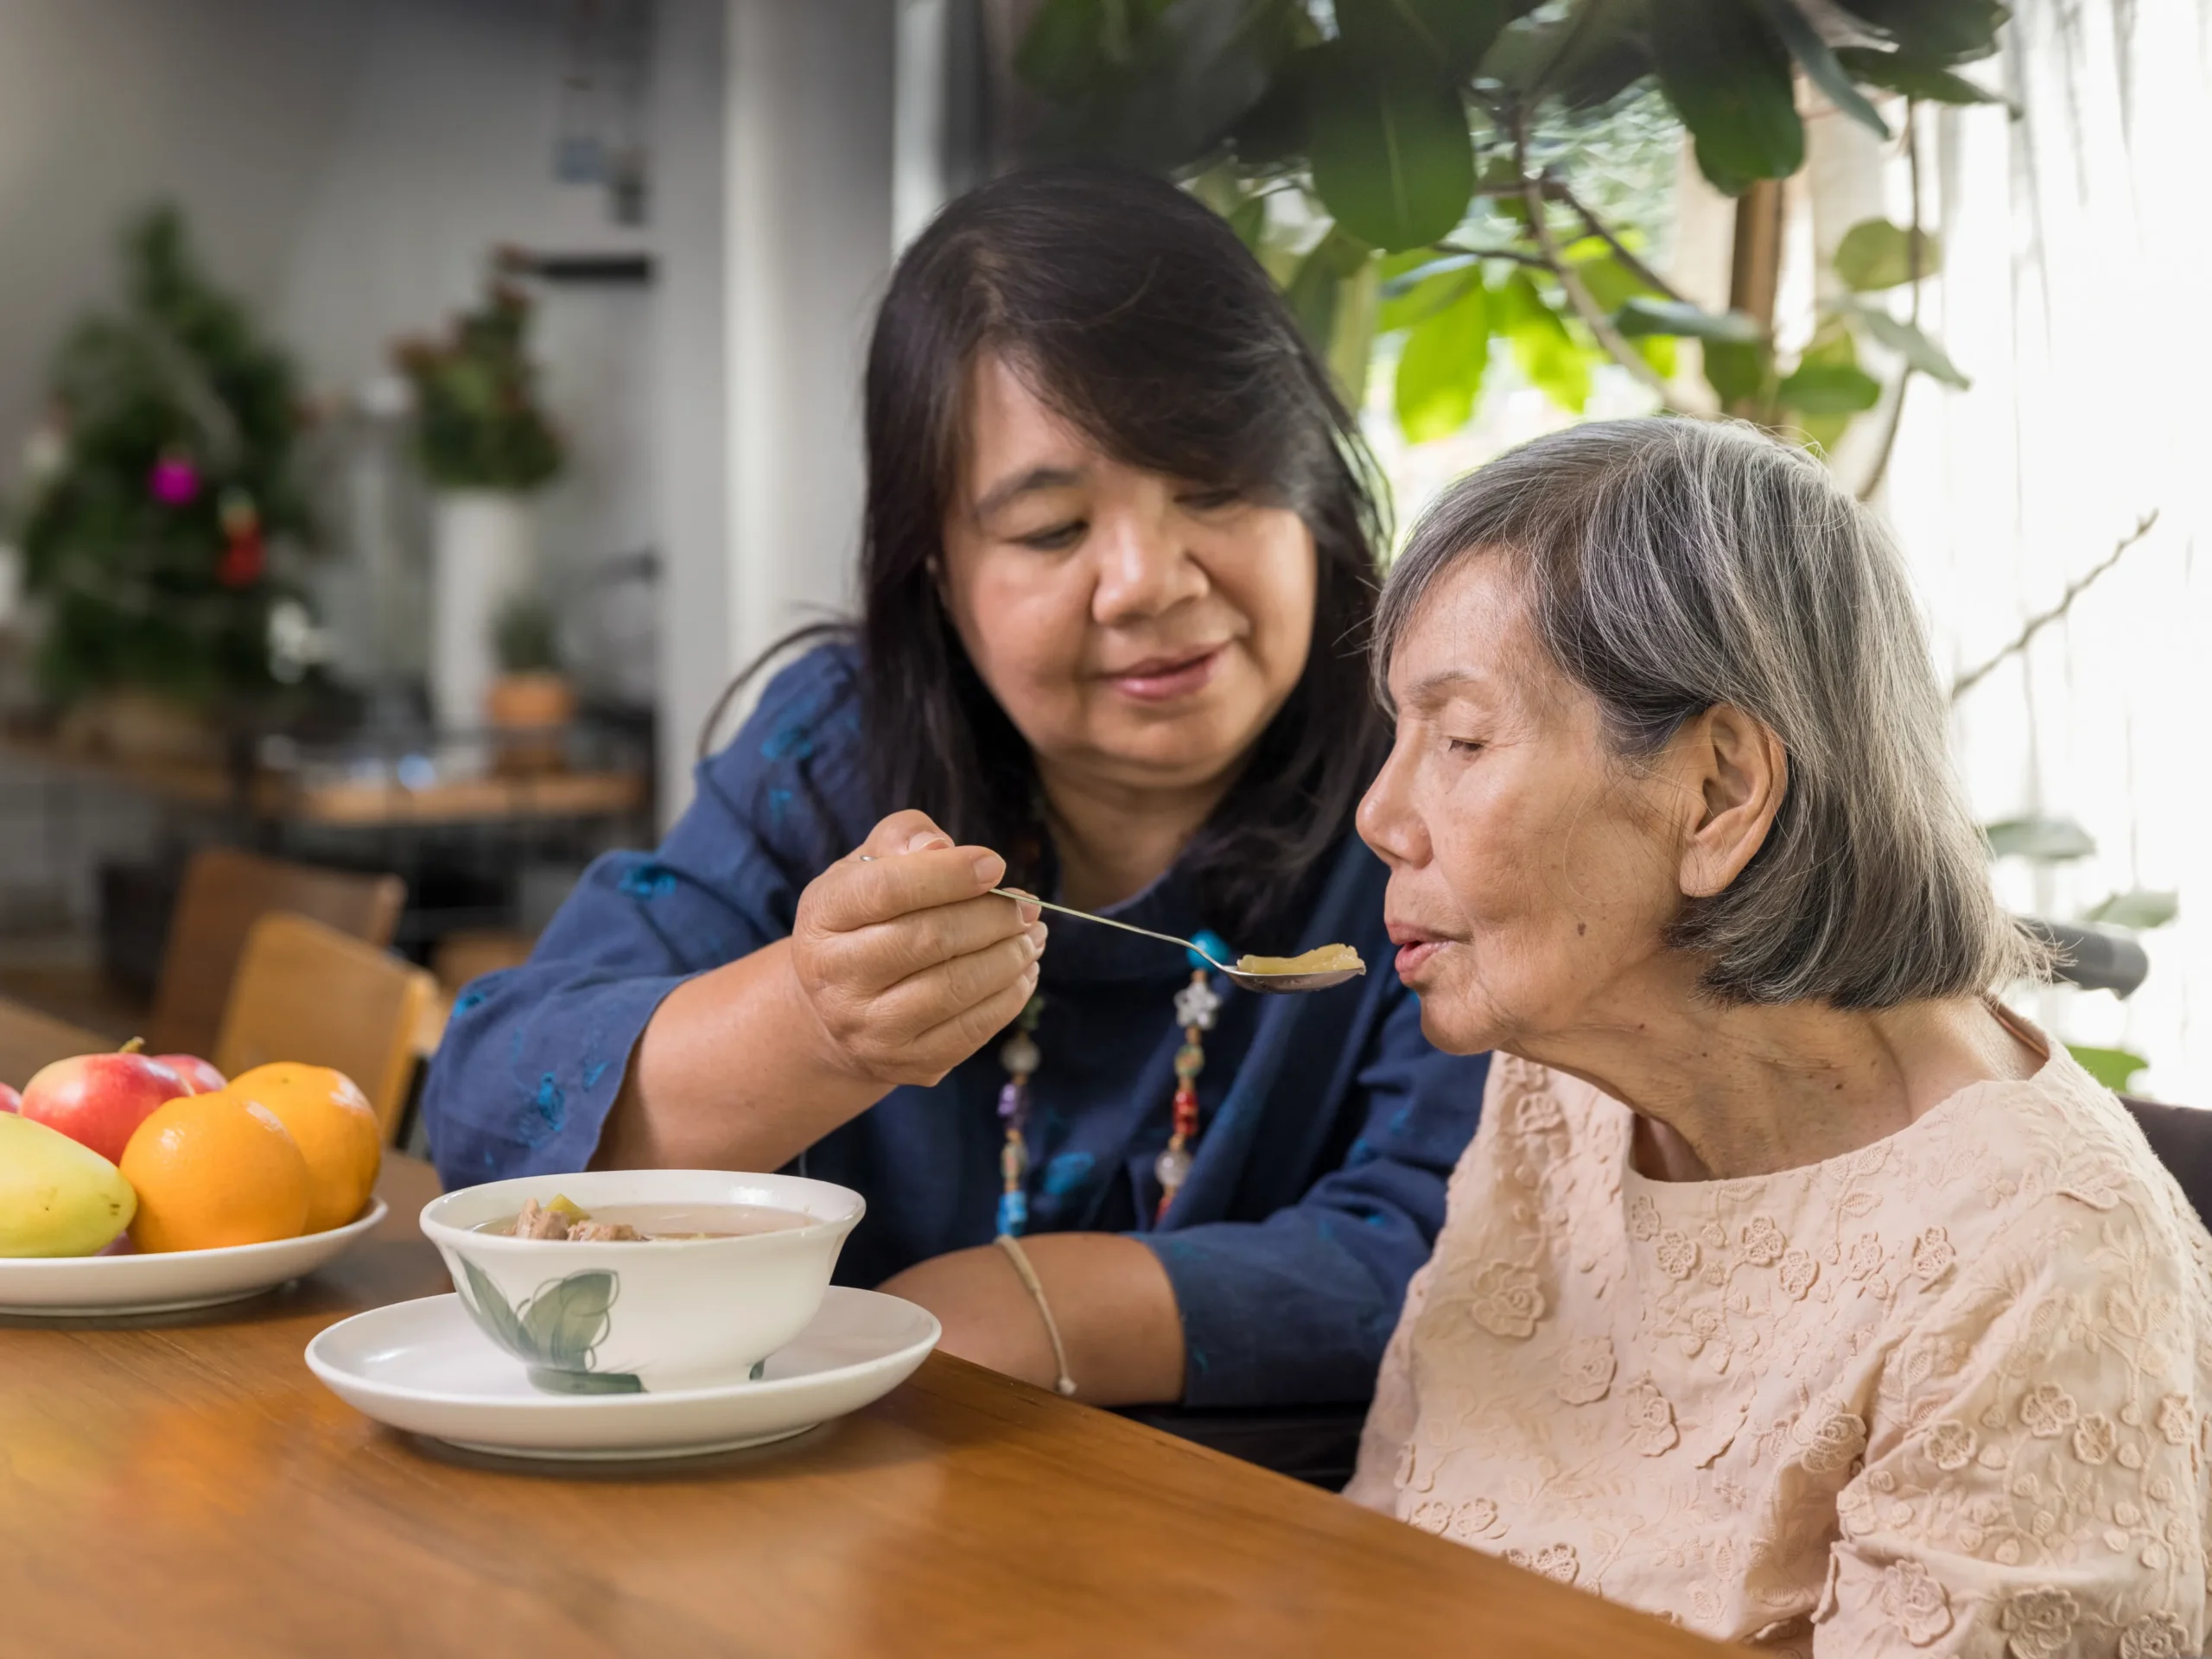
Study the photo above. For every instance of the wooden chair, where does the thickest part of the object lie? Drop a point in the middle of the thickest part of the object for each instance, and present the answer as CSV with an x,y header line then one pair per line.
x,y
307,992
468,953
225,891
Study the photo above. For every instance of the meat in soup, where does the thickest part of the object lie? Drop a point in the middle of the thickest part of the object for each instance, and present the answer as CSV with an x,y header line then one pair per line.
x,y
564,1221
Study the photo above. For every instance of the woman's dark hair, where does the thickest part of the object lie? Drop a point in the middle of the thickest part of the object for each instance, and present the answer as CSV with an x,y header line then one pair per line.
x,y
1134,312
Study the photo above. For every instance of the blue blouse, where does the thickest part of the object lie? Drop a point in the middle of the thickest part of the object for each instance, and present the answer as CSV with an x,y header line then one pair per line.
x,y
1328,1125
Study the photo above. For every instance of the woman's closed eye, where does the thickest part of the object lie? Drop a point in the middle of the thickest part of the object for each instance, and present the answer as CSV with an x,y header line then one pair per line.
x,y
1053,538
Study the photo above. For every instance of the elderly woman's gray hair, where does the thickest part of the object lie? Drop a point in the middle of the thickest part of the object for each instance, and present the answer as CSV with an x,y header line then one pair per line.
x,y
1673,565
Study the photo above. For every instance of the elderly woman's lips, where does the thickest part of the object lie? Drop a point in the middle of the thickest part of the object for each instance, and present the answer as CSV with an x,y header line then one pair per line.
x,y
1160,678
1412,956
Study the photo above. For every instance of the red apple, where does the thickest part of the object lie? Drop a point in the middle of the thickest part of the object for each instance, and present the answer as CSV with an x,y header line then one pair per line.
x,y
200,1077
10,1099
100,1100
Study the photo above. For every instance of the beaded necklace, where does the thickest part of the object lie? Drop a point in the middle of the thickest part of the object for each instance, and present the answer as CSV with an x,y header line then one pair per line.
x,y
1019,1055
1196,1005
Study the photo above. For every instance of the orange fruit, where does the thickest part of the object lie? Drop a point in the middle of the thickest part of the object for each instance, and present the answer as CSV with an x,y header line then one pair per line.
x,y
337,1130
215,1170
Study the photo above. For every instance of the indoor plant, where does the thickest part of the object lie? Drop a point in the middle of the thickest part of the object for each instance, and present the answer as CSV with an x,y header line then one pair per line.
x,y
485,445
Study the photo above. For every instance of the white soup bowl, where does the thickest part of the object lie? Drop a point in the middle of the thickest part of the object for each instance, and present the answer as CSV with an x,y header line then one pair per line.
x,y
646,1316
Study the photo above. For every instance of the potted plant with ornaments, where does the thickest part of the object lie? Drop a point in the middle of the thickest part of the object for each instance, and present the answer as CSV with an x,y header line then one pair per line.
x,y
161,477
487,446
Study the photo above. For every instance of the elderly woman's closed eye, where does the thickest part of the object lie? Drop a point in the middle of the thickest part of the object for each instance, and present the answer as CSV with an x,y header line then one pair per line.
x,y
1791,1287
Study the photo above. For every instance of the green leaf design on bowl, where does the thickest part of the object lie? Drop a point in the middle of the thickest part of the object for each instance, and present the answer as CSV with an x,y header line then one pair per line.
x,y
568,1317
555,1332
585,1382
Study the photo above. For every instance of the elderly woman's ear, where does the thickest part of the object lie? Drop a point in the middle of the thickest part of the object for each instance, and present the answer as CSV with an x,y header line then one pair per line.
x,y
1736,773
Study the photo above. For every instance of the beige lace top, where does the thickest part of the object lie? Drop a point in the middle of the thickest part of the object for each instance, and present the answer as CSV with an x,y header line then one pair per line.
x,y
1947,1394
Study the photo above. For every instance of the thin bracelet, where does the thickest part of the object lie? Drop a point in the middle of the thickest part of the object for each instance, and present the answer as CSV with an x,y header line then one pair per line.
x,y
1064,1385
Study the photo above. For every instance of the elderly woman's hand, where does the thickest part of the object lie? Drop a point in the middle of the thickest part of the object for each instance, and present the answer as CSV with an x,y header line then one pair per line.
x,y
907,960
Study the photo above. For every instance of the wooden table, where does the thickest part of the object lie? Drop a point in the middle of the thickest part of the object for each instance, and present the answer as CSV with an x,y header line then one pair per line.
x,y
353,803
182,1486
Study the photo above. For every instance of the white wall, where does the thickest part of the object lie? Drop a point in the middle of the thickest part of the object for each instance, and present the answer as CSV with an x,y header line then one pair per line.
x,y
808,243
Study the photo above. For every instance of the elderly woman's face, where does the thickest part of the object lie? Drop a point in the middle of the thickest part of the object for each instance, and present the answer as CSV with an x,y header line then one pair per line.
x,y
1141,628
1528,871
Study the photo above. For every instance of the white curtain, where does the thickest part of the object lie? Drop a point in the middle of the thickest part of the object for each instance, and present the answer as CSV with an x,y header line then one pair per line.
x,y
2076,291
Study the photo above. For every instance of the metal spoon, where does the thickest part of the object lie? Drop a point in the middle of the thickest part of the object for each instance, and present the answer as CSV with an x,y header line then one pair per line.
x,y
1278,983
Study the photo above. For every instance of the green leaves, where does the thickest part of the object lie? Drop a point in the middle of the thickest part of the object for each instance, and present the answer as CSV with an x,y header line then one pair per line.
x,y
1546,353
2115,1068
1906,340
2139,909
1390,154
2051,840
1875,254
1153,83
1585,55
1896,72
1728,76
1412,295
1450,35
1333,295
1938,31
1641,316
1830,389
1440,370
1808,48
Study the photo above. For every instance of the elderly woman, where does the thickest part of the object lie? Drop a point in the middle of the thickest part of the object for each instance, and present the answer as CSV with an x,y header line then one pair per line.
x,y
1791,1287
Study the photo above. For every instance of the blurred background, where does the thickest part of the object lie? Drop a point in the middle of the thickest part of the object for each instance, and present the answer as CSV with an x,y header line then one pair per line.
x,y
413,412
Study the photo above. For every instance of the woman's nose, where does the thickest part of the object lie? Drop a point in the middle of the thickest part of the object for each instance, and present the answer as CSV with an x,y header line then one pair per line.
x,y
1387,821
1144,569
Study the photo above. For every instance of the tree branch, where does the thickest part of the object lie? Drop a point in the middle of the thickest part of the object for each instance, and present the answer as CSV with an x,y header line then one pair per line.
x,y
1593,317
1880,469
2035,624
1559,188
1515,254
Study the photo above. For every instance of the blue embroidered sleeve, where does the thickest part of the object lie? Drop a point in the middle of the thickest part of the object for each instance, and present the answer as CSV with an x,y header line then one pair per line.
x,y
1296,1309
534,1055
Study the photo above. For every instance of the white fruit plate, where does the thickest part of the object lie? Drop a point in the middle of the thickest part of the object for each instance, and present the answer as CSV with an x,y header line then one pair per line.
x,y
174,1281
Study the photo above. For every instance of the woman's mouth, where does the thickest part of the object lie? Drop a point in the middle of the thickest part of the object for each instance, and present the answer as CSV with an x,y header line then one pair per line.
x,y
1160,679
1415,947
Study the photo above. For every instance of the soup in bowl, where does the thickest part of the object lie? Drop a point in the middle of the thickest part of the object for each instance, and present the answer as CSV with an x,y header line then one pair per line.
x,y
637,1280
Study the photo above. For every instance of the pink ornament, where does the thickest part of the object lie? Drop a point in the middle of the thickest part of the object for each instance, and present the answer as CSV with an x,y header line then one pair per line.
x,y
175,481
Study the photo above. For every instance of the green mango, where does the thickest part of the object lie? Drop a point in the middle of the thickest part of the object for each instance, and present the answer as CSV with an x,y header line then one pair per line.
x,y
57,1198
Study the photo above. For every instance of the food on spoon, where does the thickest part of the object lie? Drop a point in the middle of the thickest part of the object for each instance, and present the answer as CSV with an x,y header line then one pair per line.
x,y
336,1130
100,1100
212,1171
1324,959
200,1076
562,1222
58,1197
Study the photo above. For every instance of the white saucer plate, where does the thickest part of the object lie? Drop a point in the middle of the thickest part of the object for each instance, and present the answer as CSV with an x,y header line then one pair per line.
x,y
423,1366
86,1285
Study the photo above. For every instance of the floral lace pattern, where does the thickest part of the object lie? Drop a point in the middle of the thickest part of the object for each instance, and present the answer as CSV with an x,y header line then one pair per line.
x,y
1945,1395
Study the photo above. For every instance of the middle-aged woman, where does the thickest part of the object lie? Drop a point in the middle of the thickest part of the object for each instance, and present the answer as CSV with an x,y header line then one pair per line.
x,y
1116,582
1790,1288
